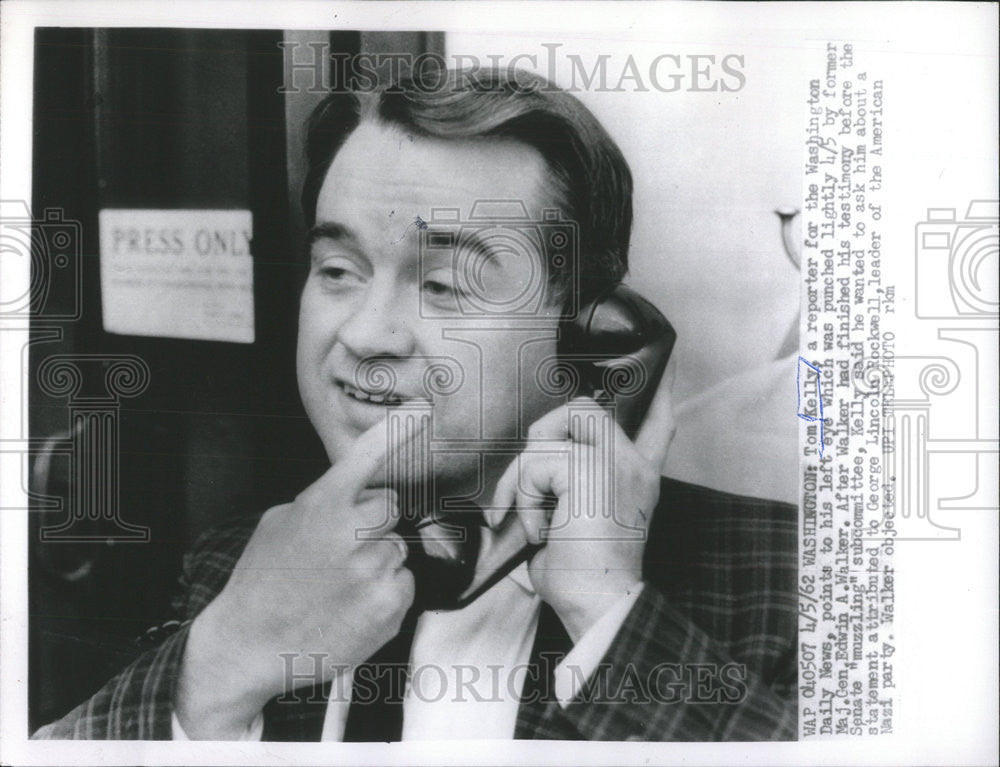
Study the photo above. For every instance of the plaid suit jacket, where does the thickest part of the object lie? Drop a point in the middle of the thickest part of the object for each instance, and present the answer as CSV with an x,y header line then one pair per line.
x,y
707,653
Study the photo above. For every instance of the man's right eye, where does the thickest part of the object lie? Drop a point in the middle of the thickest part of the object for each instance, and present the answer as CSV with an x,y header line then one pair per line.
x,y
338,273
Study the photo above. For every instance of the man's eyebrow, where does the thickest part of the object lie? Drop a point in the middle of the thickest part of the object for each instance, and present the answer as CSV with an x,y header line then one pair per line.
x,y
331,230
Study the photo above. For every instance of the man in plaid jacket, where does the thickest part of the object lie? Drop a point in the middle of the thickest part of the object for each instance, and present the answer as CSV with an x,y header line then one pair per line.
x,y
294,624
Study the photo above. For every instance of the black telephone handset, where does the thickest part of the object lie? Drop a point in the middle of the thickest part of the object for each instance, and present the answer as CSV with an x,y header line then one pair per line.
x,y
620,337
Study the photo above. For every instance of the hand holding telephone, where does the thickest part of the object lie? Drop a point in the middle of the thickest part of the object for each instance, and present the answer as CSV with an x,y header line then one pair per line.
x,y
618,334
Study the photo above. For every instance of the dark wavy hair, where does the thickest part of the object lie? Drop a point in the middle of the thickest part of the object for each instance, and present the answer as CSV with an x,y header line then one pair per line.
x,y
593,179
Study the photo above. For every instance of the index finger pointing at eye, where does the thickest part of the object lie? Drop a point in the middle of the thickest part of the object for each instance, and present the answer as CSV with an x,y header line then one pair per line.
x,y
658,427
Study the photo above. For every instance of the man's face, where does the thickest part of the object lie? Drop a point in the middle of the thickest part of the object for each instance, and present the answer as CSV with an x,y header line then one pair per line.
x,y
368,284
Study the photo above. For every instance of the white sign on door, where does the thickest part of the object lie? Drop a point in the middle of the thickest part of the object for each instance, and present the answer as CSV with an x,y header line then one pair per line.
x,y
178,273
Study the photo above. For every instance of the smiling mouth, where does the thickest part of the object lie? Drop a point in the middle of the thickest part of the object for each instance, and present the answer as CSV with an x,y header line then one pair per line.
x,y
370,398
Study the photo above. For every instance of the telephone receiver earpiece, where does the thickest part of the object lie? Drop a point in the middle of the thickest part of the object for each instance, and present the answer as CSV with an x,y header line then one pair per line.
x,y
619,345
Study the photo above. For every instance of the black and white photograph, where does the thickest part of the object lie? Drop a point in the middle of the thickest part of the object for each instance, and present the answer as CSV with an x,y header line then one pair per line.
x,y
499,383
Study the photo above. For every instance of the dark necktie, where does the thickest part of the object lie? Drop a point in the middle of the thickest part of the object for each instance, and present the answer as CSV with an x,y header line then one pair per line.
x,y
376,712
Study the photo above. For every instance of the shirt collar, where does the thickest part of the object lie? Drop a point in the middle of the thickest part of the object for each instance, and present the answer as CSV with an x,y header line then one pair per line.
x,y
520,576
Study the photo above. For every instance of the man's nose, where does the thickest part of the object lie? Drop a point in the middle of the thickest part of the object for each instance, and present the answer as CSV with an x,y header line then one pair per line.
x,y
379,326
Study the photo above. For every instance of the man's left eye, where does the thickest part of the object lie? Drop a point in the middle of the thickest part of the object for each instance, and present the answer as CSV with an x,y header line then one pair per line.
x,y
438,288
441,294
